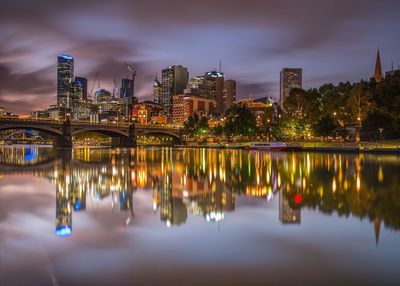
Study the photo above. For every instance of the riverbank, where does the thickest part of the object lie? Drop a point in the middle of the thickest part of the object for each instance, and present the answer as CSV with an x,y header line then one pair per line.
x,y
388,147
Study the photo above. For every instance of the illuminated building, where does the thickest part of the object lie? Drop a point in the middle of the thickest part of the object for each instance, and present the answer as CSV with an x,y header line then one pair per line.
x,y
229,94
257,107
185,106
54,112
102,96
174,81
2,112
178,109
159,119
147,111
65,75
217,80
82,82
287,214
40,114
127,88
289,78
213,86
142,114
157,91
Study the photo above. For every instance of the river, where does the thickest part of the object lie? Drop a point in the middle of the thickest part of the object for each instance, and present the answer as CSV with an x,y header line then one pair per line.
x,y
145,216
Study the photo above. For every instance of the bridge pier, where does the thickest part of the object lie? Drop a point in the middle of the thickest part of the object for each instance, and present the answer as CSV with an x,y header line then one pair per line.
x,y
64,140
123,141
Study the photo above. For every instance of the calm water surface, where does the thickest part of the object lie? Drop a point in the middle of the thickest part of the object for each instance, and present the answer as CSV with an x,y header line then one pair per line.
x,y
197,217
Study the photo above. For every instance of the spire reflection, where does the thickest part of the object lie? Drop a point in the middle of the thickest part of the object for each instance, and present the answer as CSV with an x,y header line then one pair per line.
x,y
207,182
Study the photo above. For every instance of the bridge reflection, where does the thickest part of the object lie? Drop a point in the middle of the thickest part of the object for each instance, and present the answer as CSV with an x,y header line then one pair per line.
x,y
207,183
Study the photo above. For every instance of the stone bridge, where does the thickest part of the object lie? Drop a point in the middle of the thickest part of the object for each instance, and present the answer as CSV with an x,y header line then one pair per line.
x,y
123,134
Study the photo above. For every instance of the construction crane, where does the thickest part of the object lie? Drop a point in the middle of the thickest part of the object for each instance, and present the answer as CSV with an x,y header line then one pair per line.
x,y
96,78
132,70
130,101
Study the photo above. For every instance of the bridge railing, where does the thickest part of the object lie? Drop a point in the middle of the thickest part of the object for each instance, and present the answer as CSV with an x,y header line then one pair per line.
x,y
28,119
85,122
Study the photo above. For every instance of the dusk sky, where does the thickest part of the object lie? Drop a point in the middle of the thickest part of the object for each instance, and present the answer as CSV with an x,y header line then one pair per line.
x,y
332,41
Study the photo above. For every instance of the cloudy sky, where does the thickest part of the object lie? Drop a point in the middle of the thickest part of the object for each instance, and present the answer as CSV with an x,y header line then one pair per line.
x,y
332,40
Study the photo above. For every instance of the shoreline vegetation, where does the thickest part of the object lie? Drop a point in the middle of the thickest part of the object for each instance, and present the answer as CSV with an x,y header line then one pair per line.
x,y
384,147
371,147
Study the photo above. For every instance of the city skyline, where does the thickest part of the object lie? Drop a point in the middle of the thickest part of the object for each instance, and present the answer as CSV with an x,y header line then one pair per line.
x,y
267,38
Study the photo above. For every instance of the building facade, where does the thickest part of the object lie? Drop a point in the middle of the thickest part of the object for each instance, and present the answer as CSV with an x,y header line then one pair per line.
x,y
157,91
65,75
82,82
289,78
174,81
185,106
213,86
127,89
229,95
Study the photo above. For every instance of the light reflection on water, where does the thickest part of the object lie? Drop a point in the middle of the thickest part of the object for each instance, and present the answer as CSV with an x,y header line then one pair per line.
x,y
191,188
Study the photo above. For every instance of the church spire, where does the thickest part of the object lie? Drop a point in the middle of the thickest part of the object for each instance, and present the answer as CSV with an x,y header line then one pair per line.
x,y
378,69
377,228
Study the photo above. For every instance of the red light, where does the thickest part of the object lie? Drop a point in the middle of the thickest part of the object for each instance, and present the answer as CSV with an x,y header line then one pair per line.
x,y
298,198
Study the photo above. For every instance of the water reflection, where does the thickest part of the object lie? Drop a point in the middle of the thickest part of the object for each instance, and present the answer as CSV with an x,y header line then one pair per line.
x,y
205,183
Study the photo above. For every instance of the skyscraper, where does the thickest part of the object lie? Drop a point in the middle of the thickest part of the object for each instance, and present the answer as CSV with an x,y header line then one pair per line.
x,y
229,96
217,81
127,88
157,91
65,75
82,81
289,78
378,69
174,81
213,86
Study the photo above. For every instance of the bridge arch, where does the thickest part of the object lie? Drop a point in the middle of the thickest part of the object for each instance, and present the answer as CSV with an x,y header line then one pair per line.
x,y
175,136
40,128
105,131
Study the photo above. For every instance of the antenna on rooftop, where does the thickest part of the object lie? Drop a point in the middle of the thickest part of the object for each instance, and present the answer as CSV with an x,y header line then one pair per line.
x,y
220,66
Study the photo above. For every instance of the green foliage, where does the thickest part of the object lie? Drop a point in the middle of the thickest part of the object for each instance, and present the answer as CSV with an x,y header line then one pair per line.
x,y
290,128
240,120
377,120
347,104
196,125
324,126
218,130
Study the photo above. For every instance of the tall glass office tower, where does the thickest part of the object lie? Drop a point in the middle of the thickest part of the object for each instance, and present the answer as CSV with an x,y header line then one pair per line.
x,y
65,75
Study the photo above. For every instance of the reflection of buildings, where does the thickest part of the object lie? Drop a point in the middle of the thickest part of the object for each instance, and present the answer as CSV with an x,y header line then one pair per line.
x,y
64,197
75,179
287,214
205,183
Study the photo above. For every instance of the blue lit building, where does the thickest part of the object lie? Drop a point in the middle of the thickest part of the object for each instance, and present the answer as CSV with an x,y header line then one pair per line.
x,y
65,75
82,82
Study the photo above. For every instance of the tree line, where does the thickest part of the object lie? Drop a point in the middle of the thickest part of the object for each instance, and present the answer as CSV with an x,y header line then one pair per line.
x,y
327,111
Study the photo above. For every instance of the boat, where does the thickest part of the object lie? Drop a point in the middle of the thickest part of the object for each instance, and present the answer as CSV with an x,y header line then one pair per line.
x,y
268,146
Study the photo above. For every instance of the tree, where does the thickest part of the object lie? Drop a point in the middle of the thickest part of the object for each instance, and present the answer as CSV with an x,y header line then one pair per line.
x,y
290,128
324,126
196,125
359,101
376,120
240,120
